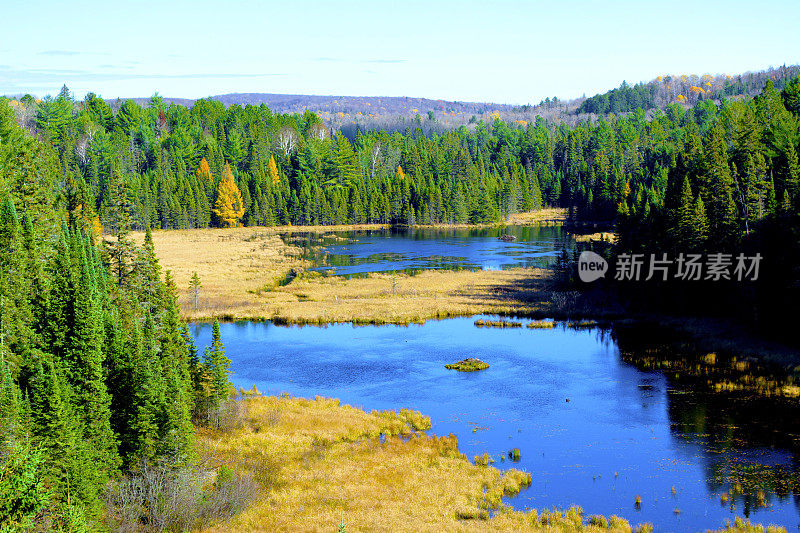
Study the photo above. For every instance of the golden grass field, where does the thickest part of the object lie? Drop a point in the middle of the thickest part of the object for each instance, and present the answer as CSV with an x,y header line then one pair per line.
x,y
322,465
241,270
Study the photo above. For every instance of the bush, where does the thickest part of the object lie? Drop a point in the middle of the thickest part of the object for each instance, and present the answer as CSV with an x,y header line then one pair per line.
x,y
162,497
229,414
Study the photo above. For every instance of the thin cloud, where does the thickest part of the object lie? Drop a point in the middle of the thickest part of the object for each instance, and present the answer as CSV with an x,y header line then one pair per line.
x,y
357,61
16,79
59,53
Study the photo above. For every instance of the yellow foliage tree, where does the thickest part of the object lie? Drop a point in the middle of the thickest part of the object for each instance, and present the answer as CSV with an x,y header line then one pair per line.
x,y
400,173
204,173
229,207
272,169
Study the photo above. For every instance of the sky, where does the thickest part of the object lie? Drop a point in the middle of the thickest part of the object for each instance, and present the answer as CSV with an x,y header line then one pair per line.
x,y
514,52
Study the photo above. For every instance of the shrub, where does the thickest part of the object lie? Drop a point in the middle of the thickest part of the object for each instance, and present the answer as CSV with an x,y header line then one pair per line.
x,y
158,497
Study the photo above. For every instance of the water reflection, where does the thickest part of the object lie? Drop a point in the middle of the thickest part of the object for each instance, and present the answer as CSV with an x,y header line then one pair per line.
x,y
415,249
596,425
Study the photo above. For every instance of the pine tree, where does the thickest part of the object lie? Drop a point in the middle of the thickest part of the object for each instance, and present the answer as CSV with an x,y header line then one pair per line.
x,y
178,434
228,207
84,370
718,197
216,366
700,223
121,247
194,289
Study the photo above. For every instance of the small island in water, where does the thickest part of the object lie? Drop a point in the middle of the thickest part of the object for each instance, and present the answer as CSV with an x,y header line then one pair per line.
x,y
469,364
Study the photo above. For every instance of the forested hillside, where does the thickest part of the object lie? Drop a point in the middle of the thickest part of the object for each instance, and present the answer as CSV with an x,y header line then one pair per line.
x,y
170,163
685,90
98,373
97,370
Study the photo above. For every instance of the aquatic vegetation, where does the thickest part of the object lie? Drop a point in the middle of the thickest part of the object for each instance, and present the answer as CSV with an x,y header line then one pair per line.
x,y
483,460
583,324
497,324
325,457
514,454
467,365
597,520
541,324
745,526
257,275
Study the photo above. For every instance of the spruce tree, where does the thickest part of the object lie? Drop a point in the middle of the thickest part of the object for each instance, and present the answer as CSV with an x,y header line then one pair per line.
x,y
217,365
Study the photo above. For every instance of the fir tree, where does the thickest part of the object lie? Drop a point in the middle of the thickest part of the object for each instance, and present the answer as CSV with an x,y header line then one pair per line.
x,y
216,366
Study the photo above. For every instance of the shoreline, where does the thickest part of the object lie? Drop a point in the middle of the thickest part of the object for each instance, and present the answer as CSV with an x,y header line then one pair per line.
x,y
244,273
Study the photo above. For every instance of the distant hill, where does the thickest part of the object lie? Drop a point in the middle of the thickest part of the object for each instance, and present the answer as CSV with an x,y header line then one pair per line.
x,y
397,113
685,90
366,105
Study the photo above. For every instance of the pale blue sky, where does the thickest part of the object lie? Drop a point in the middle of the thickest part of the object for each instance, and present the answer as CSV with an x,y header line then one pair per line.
x,y
500,51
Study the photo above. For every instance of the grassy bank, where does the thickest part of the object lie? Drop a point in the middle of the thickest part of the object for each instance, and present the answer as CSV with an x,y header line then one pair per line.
x,y
321,464
250,273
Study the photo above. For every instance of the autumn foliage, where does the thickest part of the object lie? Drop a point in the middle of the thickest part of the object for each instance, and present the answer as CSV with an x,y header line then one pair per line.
x,y
229,207
204,173
272,169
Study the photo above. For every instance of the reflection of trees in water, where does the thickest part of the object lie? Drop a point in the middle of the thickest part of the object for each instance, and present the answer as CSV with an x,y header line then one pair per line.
x,y
735,410
750,485
315,246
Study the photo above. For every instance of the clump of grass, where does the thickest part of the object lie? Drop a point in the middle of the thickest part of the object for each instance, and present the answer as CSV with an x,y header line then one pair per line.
x,y
497,324
583,324
541,324
483,460
723,498
761,499
467,365
637,502
514,455
598,520
472,514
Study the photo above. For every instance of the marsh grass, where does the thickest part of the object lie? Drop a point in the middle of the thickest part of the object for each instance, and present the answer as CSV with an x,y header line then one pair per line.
x,y
541,324
468,365
497,324
253,274
320,464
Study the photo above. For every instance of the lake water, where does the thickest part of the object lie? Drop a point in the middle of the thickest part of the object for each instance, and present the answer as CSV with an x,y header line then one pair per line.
x,y
593,430
359,252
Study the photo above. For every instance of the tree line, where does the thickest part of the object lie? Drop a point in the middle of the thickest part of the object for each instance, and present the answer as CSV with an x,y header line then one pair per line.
x,y
98,372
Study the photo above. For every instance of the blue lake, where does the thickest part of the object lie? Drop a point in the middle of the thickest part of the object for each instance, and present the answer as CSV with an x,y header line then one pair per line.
x,y
593,430
359,252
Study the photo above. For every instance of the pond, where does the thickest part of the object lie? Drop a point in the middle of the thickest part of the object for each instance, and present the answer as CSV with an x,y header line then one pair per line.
x,y
592,429
359,252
